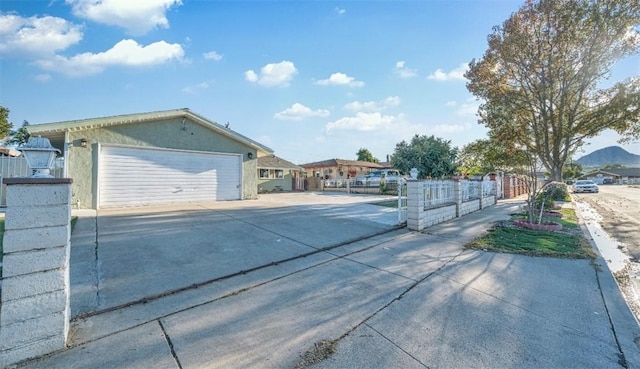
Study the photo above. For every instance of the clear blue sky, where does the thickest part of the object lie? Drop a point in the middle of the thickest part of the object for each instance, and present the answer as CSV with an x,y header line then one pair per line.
x,y
313,80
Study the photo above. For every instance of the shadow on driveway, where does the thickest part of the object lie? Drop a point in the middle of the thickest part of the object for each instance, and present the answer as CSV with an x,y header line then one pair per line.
x,y
125,256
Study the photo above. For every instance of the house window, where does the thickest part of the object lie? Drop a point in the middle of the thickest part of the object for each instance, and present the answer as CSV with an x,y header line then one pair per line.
x,y
264,173
279,173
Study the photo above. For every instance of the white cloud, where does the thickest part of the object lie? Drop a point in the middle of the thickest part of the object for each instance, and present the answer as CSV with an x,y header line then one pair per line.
x,y
340,79
137,17
401,70
193,90
298,111
44,77
36,36
456,74
251,76
447,128
467,108
125,53
212,55
369,106
273,75
365,122
340,11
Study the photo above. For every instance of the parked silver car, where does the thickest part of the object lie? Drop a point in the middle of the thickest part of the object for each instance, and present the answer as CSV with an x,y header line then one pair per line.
x,y
374,177
585,185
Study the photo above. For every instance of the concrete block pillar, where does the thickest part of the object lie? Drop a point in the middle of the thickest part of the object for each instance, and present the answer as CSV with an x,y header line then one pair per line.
x,y
481,192
34,295
415,206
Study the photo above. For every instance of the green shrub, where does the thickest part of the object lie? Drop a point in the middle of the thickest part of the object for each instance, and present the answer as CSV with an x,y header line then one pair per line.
x,y
556,191
543,201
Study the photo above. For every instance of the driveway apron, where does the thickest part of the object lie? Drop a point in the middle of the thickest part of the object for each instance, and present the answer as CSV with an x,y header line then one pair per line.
x,y
133,255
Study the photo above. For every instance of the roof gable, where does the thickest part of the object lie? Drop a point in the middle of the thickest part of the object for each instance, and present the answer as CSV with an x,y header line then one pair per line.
x,y
341,162
92,123
274,162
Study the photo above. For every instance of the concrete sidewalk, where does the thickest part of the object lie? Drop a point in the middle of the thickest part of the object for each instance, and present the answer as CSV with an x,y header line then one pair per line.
x,y
396,299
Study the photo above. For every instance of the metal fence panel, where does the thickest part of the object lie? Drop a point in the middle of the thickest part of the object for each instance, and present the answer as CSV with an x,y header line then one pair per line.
x,y
488,188
16,166
438,193
402,201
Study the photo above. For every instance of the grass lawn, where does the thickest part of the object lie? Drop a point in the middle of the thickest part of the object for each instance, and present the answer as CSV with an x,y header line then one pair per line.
x,y
509,238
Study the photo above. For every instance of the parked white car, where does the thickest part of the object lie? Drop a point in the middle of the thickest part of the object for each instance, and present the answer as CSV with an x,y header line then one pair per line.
x,y
585,185
374,177
335,183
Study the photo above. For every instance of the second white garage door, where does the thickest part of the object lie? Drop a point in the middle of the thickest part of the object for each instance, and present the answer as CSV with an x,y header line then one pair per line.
x,y
132,176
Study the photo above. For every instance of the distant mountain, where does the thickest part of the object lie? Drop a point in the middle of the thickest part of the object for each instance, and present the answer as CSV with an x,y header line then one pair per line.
x,y
610,155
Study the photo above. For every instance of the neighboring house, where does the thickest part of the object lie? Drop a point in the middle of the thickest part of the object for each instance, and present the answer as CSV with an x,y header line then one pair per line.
x,y
277,174
339,169
162,157
12,164
622,176
7,151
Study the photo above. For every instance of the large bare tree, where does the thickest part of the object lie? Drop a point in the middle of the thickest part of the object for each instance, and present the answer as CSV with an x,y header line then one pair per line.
x,y
543,79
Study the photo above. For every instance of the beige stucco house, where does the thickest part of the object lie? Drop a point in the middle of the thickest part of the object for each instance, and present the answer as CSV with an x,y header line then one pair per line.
x,y
620,175
339,168
162,157
277,174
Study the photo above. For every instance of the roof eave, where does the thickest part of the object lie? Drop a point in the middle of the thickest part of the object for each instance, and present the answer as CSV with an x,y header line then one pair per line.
x,y
80,125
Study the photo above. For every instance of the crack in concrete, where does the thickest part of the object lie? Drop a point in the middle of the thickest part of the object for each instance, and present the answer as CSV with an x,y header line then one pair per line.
x,y
398,347
96,262
621,357
170,343
197,285
398,298
234,293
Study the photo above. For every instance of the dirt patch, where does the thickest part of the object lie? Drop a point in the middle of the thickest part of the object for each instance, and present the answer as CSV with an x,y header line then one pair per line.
x,y
623,277
320,351
548,226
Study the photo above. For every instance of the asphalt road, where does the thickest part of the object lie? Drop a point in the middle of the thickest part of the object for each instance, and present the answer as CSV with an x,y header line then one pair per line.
x,y
619,207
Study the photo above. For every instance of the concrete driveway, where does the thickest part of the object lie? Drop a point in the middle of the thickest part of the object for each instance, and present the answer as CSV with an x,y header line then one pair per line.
x,y
398,299
126,256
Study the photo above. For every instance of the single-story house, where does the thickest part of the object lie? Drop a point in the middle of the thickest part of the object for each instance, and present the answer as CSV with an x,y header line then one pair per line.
x,y
277,174
155,158
621,176
339,168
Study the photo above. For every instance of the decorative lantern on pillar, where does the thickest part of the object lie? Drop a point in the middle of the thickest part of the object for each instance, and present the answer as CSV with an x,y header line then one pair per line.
x,y
414,173
40,156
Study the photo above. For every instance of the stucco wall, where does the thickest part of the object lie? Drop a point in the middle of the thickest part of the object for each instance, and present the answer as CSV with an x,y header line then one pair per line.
x,y
276,184
172,134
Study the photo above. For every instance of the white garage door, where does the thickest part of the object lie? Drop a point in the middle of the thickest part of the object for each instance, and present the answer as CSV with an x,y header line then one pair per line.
x,y
131,176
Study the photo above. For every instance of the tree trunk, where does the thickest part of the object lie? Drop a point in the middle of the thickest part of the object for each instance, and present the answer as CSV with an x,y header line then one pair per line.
x,y
556,173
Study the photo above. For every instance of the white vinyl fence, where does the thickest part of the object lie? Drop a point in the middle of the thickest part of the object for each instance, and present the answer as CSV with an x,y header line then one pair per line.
x,y
437,193
434,202
402,201
11,167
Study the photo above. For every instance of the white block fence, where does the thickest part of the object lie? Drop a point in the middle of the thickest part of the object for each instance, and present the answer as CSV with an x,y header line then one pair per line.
x,y
433,202
34,294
